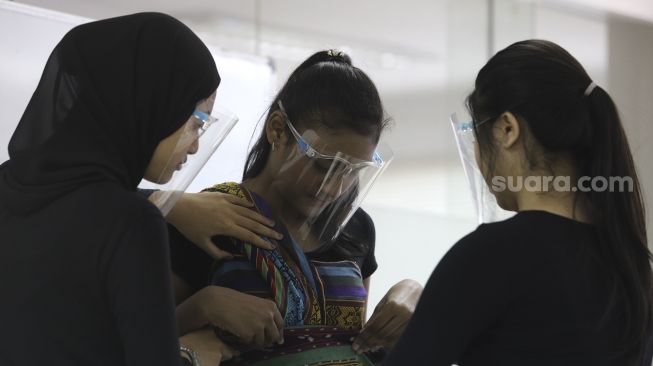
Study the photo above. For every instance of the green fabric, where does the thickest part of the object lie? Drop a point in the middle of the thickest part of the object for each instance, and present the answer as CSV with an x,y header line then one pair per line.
x,y
340,356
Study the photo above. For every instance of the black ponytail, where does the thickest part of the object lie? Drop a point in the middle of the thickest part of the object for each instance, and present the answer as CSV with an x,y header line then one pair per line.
x,y
620,219
547,88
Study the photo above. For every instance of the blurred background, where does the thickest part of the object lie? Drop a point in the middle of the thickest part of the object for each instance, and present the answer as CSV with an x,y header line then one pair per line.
x,y
423,56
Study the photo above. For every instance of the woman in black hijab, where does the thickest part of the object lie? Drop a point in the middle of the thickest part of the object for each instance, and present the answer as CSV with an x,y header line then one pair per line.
x,y
84,264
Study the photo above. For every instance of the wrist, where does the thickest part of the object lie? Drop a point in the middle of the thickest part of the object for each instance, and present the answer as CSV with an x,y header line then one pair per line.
x,y
176,212
205,305
193,313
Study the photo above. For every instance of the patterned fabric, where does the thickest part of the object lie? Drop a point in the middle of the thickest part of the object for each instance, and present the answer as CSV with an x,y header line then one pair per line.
x,y
309,345
287,283
344,293
322,302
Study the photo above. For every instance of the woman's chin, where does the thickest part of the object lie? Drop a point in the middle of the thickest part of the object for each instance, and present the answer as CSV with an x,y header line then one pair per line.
x,y
165,177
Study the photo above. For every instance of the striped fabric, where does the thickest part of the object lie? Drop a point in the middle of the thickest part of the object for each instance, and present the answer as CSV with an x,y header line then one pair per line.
x,y
314,297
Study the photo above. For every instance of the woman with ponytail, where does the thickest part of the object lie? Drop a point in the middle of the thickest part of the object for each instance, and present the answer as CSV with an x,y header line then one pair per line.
x,y
567,280
290,287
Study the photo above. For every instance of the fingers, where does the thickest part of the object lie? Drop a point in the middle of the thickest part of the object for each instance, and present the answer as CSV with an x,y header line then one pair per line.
x,y
392,333
278,322
237,200
372,331
253,215
212,250
264,330
249,237
258,339
273,324
272,335
258,228
386,336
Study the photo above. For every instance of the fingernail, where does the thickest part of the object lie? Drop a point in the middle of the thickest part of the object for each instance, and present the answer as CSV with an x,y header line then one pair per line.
x,y
281,341
355,347
279,236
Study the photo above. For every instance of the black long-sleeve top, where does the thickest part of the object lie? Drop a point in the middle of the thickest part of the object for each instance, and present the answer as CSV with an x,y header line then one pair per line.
x,y
85,281
525,291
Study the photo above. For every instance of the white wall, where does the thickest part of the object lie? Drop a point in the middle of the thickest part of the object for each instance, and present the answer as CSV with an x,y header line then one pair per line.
x,y
631,85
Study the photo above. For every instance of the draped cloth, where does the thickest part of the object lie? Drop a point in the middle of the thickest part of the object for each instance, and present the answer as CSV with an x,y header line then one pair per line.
x,y
322,302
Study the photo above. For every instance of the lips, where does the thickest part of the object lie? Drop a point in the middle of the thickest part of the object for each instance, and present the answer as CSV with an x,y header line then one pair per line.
x,y
181,163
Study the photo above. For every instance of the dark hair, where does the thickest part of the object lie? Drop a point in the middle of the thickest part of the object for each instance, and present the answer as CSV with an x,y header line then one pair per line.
x,y
325,89
544,87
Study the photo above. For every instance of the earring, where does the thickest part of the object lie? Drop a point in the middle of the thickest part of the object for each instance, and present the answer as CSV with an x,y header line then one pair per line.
x,y
273,147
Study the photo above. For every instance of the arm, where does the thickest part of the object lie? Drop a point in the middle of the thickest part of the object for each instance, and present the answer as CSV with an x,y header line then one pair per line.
x,y
390,317
467,291
191,313
201,216
137,285
254,320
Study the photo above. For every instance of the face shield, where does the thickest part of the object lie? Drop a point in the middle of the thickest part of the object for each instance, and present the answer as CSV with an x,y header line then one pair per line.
x,y
199,138
322,186
485,203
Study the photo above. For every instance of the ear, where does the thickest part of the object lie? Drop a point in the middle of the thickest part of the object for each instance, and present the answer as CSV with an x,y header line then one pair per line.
x,y
275,129
507,130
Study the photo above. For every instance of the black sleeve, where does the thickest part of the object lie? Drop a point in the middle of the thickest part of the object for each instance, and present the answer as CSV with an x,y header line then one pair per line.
x,y
188,261
138,287
369,264
465,293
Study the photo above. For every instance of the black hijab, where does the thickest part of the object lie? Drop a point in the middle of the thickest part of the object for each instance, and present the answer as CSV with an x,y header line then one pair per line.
x,y
110,92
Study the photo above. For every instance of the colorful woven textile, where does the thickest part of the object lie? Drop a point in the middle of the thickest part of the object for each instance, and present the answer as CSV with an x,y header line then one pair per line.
x,y
322,302
308,345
